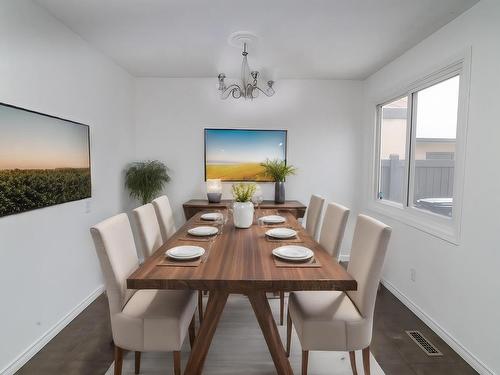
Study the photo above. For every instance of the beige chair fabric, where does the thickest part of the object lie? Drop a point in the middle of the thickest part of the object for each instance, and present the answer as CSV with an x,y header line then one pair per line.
x,y
143,320
338,321
333,228
313,214
165,217
150,238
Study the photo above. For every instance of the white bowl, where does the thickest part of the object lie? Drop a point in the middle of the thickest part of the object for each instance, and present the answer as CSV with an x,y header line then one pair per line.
x,y
281,233
293,252
185,252
211,216
203,231
273,219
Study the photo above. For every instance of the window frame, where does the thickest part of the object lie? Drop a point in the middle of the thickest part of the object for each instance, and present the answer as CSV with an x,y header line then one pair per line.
x,y
446,228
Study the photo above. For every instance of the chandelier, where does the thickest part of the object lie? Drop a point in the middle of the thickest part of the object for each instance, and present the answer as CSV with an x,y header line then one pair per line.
x,y
248,88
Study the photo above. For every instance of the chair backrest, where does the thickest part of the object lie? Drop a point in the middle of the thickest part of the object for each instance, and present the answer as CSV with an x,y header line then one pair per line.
x,y
369,246
313,214
165,217
115,247
333,228
149,229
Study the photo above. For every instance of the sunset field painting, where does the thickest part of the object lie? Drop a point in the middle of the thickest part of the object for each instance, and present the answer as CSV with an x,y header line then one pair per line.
x,y
236,154
43,161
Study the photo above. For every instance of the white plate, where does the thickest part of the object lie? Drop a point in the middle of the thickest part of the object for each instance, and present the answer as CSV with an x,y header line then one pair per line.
x,y
185,252
281,233
293,252
273,219
211,216
203,231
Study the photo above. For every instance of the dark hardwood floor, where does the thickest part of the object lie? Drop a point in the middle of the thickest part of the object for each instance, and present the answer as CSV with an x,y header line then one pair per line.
x,y
84,346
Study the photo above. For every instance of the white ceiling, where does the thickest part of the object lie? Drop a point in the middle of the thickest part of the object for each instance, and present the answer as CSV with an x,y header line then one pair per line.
x,y
341,39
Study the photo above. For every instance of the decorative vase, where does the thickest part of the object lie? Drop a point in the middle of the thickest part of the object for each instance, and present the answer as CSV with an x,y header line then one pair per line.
x,y
243,214
279,192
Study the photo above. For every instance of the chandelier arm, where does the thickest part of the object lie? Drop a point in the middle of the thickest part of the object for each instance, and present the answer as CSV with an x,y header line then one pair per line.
x,y
267,92
234,90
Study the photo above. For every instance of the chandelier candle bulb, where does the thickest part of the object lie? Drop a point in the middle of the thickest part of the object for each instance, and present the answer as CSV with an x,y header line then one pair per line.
x,y
214,190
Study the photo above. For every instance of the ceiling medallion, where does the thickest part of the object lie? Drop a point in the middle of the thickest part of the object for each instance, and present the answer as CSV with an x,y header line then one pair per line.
x,y
248,87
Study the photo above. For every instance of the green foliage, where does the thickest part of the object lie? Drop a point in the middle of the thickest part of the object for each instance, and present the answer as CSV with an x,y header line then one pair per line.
x,y
243,192
277,169
145,179
27,189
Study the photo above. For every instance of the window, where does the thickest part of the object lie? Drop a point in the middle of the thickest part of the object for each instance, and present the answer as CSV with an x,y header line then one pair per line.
x,y
436,133
420,138
393,130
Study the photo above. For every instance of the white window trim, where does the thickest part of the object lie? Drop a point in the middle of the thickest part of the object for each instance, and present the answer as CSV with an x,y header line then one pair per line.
x,y
448,229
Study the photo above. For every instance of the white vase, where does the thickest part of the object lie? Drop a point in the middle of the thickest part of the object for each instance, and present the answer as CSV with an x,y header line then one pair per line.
x,y
243,214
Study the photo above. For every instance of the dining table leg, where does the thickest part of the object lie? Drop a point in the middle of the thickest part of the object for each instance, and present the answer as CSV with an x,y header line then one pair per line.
x,y
213,312
268,326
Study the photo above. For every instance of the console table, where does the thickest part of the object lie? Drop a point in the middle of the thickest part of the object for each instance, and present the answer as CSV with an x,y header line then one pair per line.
x,y
193,206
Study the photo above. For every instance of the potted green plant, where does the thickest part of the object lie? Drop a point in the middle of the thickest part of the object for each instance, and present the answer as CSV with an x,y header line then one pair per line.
x,y
146,179
243,207
278,171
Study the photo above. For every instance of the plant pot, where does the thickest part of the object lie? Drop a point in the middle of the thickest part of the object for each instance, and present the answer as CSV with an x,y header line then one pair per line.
x,y
279,192
243,214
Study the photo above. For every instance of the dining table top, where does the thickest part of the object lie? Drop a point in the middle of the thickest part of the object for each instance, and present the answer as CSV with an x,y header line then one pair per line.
x,y
240,261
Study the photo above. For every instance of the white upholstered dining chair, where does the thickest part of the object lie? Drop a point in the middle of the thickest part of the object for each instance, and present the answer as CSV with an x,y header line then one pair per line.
x,y
343,321
330,238
165,217
150,238
333,228
141,320
313,214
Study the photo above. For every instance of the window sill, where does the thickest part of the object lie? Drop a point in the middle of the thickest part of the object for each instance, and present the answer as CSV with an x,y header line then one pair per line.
x,y
438,226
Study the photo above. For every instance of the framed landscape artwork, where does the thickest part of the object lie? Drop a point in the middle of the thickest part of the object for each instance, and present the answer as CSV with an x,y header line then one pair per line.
x,y
44,160
236,154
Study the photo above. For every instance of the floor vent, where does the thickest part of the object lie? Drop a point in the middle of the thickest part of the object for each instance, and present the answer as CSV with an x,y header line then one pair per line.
x,y
424,344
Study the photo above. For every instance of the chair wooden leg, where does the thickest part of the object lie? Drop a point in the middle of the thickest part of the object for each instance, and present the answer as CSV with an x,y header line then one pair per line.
x,y
288,333
366,360
177,362
305,359
200,306
352,356
192,332
282,307
137,362
118,360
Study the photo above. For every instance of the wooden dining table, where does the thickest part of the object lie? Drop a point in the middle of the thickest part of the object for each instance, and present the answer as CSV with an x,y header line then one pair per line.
x,y
240,261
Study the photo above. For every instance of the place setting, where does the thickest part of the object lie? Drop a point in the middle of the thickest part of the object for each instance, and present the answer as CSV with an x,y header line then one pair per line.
x,y
294,256
271,221
203,233
184,256
282,234
209,218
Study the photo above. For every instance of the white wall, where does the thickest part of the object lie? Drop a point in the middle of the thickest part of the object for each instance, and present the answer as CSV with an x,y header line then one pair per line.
x,y
457,287
48,260
322,119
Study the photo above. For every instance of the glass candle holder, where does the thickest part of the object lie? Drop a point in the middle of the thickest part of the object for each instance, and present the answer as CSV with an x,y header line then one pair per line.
x,y
214,190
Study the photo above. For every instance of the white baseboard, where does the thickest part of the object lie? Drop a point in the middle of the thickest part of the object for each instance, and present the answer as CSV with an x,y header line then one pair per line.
x,y
461,350
34,348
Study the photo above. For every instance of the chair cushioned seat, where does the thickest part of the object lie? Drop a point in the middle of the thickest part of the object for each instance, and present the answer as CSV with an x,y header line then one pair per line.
x,y
328,320
154,320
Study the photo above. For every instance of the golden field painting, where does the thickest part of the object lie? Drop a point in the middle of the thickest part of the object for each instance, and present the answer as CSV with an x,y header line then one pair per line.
x,y
237,172
237,154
